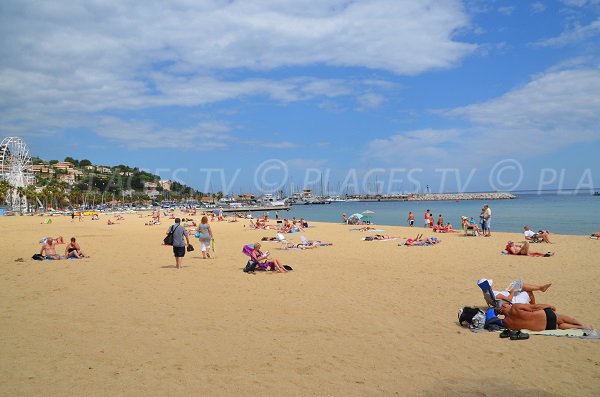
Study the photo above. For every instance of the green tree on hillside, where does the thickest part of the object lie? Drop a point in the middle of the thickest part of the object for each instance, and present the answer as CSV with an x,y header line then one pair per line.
x,y
72,161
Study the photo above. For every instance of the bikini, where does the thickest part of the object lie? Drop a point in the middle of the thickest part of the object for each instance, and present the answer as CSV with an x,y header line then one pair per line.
x,y
550,318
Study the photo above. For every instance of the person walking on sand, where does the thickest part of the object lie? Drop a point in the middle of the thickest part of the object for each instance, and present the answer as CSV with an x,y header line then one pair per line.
x,y
179,233
411,219
206,236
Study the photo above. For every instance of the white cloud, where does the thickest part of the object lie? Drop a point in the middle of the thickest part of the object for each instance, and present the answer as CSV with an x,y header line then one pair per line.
x,y
90,56
553,111
507,10
537,7
369,101
145,134
577,34
413,147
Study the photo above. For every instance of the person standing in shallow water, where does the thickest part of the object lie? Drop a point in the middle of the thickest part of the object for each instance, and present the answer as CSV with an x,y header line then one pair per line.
x,y
426,219
411,219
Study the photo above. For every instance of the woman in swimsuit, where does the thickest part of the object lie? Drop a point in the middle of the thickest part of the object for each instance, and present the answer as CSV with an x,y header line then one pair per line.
x,y
264,260
73,250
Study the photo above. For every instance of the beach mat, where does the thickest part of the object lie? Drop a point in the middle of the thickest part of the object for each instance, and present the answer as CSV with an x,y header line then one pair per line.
x,y
569,333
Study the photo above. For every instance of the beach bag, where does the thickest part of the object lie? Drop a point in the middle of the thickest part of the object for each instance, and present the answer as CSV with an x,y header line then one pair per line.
x,y
492,322
169,239
471,317
190,248
37,257
250,266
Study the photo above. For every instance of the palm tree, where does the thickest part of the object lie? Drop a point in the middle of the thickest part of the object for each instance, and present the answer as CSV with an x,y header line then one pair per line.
x,y
5,188
21,193
31,196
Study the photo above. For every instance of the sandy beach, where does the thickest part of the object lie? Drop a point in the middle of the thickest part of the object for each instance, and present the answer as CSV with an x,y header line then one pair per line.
x,y
359,318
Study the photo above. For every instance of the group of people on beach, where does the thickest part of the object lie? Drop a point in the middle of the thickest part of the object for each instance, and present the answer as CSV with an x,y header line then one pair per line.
x,y
520,311
72,250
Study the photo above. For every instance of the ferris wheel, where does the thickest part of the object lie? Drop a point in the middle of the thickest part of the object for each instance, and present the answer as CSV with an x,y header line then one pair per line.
x,y
16,168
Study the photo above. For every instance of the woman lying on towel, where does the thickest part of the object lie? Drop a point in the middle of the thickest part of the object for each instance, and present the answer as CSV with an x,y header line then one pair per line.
x,y
443,229
379,237
420,242
516,249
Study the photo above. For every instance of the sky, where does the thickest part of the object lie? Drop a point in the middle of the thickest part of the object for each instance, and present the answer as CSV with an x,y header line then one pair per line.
x,y
339,96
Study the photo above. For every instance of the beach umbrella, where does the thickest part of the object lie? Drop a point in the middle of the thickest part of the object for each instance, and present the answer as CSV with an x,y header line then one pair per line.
x,y
367,216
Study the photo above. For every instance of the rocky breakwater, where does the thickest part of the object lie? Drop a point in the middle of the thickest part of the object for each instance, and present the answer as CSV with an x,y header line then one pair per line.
x,y
460,196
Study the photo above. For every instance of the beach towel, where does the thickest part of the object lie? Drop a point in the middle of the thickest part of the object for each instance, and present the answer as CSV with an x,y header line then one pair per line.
x,y
569,333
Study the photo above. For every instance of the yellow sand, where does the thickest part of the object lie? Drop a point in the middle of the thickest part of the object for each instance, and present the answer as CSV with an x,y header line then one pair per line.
x,y
355,319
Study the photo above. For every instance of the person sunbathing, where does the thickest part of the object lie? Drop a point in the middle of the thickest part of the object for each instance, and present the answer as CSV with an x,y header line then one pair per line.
x,y
366,229
516,249
419,241
263,260
379,237
470,224
530,235
109,222
73,250
520,316
49,248
443,229
519,292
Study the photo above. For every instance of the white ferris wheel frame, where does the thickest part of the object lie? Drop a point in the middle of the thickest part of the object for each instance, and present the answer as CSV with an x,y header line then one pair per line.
x,y
16,167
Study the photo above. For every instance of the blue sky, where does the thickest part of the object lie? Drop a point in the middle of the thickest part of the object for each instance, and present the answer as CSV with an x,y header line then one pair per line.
x,y
379,96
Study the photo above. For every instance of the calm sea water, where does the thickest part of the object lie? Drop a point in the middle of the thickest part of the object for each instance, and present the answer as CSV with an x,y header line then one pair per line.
x,y
563,214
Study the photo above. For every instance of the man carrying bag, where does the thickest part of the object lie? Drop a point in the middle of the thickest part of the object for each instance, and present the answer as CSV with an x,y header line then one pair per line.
x,y
175,236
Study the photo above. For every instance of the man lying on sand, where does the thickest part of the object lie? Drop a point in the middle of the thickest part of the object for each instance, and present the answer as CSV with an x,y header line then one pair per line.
x,y
535,317
516,249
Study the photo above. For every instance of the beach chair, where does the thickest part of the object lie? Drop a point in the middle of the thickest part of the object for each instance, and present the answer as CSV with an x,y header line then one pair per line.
x,y
285,243
488,293
470,230
305,241
534,239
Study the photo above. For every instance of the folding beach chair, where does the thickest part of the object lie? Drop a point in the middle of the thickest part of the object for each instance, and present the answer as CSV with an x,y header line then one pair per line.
x,y
284,241
488,293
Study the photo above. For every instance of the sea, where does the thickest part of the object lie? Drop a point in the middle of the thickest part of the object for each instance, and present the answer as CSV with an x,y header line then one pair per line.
x,y
558,213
